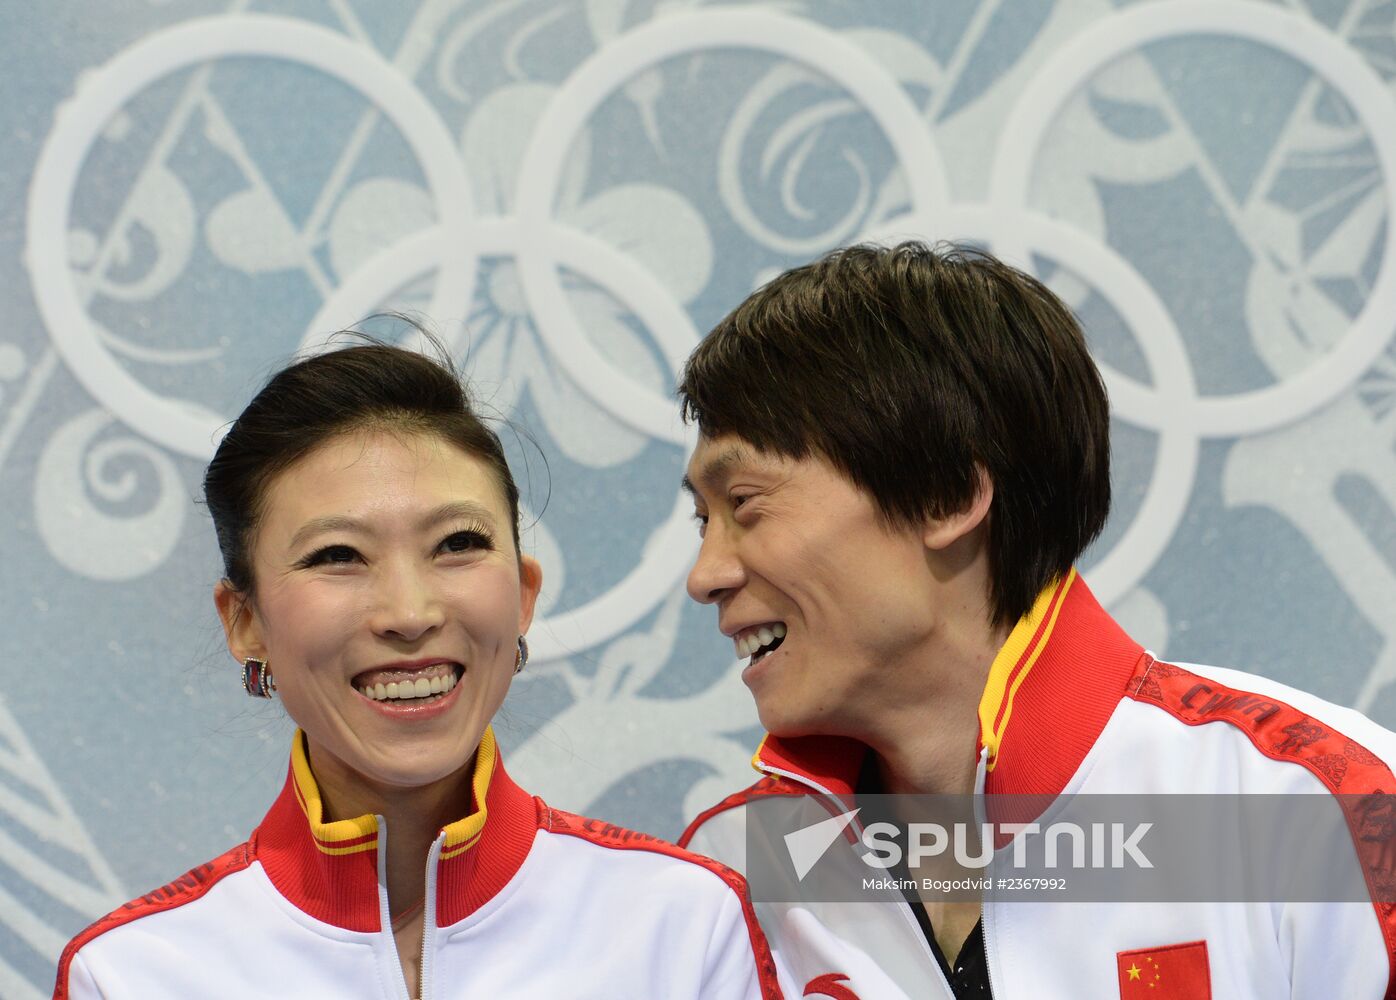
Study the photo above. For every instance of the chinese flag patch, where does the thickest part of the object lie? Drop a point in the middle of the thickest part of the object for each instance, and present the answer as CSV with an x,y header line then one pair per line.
x,y
1172,972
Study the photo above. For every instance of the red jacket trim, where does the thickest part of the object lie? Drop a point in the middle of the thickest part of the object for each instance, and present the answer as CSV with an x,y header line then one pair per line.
x,y
1082,671
185,889
768,785
1284,733
619,838
475,872
831,763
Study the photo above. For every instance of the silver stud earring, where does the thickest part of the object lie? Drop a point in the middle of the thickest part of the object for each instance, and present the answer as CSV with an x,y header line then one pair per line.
x,y
521,656
257,680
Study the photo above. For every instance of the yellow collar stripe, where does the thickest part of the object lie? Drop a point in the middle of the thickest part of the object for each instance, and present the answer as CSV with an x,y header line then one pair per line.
x,y
345,836
1015,660
463,833
756,757
351,836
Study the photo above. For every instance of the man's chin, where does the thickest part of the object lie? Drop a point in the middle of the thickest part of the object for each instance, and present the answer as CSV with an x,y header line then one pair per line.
x,y
785,720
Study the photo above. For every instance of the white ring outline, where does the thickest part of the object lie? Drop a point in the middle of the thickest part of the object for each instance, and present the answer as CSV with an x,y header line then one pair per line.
x,y
1175,462
78,123
1315,47
673,546
596,78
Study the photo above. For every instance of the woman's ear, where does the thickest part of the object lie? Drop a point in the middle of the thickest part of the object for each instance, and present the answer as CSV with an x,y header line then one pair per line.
x,y
530,583
240,625
942,532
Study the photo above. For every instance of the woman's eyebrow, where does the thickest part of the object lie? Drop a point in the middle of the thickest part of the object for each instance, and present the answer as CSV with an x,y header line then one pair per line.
x,y
320,525
458,510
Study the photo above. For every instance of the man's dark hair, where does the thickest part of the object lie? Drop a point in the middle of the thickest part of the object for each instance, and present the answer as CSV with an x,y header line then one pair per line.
x,y
368,386
905,368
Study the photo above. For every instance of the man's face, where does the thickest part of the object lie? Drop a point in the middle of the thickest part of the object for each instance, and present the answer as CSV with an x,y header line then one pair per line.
x,y
791,548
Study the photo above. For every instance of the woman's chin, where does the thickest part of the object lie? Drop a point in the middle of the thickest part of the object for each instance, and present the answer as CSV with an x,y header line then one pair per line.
x,y
409,772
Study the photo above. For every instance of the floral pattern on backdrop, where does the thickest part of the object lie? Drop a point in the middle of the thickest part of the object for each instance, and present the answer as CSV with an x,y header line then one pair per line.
x,y
569,192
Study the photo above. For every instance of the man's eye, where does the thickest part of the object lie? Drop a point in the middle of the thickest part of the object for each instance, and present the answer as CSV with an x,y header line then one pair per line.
x,y
702,521
465,541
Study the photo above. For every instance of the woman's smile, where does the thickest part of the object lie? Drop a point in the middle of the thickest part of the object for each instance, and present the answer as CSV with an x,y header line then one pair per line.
x,y
412,692
409,681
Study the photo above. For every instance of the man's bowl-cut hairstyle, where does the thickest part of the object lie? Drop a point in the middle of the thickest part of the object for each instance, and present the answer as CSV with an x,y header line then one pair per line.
x,y
905,367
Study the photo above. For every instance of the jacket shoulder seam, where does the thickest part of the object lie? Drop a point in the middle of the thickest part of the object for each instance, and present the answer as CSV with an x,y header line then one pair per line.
x,y
768,785
189,887
1362,780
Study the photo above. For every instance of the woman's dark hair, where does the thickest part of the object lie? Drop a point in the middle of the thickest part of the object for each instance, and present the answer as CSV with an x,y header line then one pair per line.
x,y
307,403
906,368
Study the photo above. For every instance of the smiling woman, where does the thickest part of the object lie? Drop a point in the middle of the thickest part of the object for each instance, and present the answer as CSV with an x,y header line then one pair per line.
x,y
374,583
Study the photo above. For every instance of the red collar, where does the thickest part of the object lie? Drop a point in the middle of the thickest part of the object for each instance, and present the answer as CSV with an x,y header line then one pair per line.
x,y
330,869
1049,692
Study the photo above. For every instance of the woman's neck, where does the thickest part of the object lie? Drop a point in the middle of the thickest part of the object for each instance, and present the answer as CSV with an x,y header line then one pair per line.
x,y
413,818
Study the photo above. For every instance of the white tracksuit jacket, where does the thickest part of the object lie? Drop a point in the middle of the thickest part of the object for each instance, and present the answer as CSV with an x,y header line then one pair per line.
x,y
522,901
1073,705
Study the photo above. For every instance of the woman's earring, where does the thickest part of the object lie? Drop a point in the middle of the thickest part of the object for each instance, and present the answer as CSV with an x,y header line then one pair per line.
x,y
521,657
257,680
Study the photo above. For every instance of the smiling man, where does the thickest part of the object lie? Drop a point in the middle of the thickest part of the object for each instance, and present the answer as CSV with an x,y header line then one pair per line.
x,y
903,454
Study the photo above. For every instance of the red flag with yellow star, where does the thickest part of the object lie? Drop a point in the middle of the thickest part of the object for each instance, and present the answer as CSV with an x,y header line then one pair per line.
x,y
1171,972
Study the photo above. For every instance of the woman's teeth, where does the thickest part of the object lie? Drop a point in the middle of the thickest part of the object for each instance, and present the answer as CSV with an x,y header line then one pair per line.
x,y
766,635
422,687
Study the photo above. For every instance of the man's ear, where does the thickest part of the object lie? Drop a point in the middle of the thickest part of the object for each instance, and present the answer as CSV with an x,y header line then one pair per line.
x,y
530,583
942,532
240,625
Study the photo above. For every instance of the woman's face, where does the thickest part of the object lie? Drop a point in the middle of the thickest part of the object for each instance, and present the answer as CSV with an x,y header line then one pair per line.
x,y
384,565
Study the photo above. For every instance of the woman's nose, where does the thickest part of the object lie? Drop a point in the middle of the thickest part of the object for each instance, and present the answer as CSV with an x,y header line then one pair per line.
x,y
408,605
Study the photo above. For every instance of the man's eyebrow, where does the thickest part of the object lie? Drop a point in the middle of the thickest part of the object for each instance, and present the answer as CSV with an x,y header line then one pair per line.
x,y
715,468
459,510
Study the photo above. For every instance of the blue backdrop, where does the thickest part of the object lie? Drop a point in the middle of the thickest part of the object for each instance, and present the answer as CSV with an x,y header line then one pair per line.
x,y
571,192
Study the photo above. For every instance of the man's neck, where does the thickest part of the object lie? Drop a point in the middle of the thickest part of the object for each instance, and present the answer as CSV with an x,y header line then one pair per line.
x,y
925,736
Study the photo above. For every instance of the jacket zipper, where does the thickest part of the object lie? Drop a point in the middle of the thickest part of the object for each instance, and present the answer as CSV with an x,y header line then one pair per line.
x,y
385,920
429,918
981,778
929,955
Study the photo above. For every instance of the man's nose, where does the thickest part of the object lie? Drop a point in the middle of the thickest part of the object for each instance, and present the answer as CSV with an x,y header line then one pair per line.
x,y
717,571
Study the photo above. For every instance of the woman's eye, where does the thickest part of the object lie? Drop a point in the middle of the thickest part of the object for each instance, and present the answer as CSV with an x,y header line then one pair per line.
x,y
465,541
330,554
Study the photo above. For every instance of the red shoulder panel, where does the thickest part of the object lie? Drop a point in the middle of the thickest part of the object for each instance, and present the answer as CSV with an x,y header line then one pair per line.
x,y
1284,733
766,786
619,838
185,889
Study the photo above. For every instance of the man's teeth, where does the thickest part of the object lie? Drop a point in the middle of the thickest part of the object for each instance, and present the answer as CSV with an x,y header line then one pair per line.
x,y
748,644
422,687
